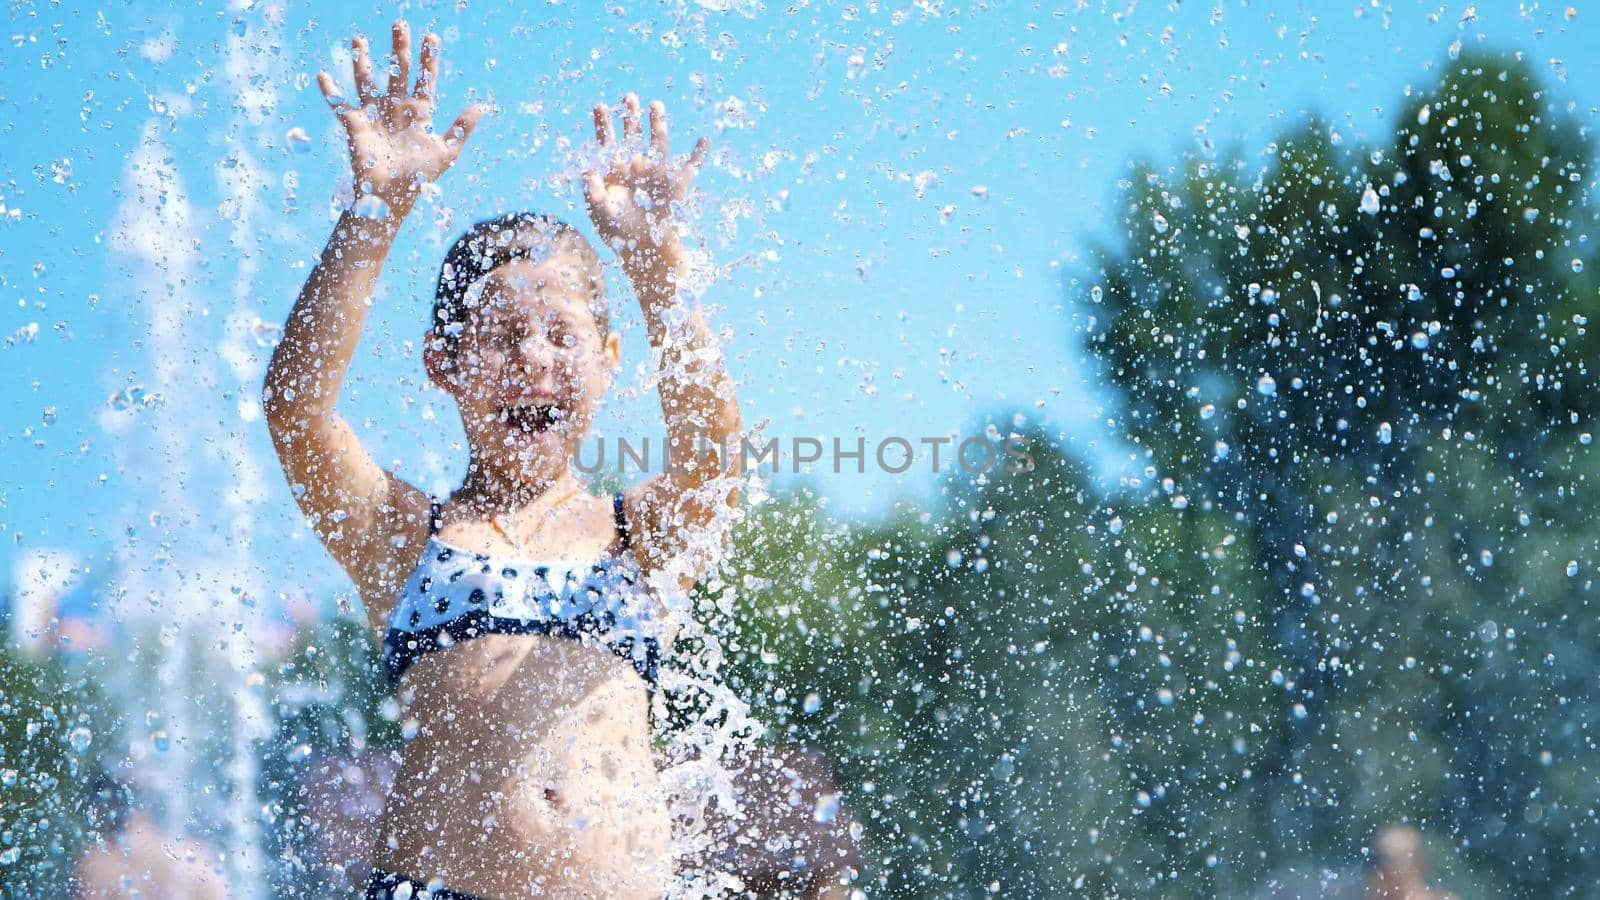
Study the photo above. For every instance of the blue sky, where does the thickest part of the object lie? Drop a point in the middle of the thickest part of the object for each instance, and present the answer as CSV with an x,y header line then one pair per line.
x,y
903,194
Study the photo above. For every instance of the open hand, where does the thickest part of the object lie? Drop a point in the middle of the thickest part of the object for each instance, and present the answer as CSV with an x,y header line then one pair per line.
x,y
631,201
393,152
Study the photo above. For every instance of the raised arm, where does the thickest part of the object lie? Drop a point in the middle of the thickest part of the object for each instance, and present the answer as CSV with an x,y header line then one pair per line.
x,y
354,505
697,396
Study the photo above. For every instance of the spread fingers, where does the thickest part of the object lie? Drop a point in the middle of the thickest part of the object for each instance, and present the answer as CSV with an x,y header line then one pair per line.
x,y
361,67
330,91
429,76
602,125
400,68
696,158
631,127
658,127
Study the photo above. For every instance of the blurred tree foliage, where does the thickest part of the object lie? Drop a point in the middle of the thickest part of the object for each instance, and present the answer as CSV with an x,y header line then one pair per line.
x,y
53,730
1349,583
1374,363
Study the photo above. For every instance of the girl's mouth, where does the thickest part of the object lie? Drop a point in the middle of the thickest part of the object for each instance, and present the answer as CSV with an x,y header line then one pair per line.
x,y
531,419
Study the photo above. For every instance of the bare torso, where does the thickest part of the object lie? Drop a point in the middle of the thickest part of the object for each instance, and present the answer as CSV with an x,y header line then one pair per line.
x,y
531,768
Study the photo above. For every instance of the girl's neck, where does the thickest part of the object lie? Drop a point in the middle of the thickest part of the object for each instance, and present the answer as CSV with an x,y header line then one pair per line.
x,y
489,492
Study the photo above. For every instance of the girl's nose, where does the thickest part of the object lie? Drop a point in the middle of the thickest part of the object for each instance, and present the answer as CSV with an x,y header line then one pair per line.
x,y
536,358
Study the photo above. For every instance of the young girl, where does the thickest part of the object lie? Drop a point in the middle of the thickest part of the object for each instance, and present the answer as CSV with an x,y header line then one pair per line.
x,y
520,616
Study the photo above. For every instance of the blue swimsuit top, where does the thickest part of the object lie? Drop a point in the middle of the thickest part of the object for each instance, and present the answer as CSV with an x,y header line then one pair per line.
x,y
455,595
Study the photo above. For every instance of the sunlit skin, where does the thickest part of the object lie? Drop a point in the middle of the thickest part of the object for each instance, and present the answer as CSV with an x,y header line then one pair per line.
x,y
531,769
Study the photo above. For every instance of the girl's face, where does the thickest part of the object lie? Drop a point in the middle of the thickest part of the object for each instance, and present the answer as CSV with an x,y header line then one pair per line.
x,y
531,369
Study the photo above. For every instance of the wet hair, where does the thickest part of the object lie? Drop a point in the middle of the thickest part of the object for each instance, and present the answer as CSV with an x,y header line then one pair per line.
x,y
495,242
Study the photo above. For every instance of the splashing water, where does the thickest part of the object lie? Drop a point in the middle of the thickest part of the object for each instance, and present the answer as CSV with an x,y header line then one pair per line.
x,y
1369,201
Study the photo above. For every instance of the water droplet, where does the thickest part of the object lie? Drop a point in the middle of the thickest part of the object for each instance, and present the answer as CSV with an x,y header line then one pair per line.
x,y
1385,433
1369,201
1208,411
811,704
1577,265
1572,568
79,738
1160,223
1419,340
1486,557
127,398
827,808
1266,386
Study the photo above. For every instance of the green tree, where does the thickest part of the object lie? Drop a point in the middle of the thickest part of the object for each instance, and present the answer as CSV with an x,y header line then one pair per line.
x,y
1003,681
1351,586
1373,360
53,732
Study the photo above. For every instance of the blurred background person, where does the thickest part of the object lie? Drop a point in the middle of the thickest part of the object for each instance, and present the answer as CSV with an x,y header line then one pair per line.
x,y
136,857
1400,868
795,837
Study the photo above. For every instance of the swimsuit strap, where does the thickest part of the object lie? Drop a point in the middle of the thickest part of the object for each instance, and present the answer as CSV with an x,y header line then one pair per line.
x,y
622,520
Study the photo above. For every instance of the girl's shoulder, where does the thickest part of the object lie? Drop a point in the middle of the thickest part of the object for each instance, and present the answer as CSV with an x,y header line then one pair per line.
x,y
380,571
